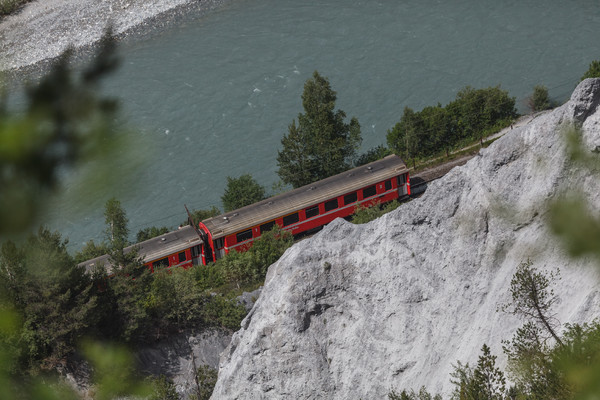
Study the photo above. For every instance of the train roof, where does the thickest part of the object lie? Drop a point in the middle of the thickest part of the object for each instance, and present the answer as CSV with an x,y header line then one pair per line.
x,y
305,196
155,248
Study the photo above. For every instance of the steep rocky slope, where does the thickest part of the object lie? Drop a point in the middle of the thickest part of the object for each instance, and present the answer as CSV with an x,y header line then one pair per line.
x,y
357,310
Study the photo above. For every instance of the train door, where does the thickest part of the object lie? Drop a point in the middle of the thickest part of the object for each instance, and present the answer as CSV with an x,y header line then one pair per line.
x,y
219,248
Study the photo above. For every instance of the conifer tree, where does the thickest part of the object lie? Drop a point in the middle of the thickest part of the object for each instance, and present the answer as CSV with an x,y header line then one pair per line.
x,y
321,144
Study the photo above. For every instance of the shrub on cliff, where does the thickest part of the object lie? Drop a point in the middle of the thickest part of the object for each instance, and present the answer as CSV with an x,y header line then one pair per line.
x,y
593,71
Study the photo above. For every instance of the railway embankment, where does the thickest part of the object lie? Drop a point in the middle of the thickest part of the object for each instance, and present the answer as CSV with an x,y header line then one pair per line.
x,y
357,310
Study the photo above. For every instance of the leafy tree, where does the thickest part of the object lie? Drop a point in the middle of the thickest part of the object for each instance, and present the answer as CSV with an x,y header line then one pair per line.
x,y
405,138
241,192
116,223
322,144
150,232
373,154
201,215
539,100
90,251
593,71
55,297
480,109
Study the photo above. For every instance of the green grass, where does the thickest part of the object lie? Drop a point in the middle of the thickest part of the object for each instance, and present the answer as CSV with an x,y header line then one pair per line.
x,y
10,6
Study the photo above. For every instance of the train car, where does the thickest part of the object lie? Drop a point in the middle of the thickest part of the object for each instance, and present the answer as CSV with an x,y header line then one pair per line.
x,y
305,208
180,248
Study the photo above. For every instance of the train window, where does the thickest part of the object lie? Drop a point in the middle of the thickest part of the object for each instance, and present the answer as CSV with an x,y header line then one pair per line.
x,y
245,235
162,263
350,198
182,256
331,205
388,185
219,243
312,211
267,227
370,191
195,251
401,180
291,219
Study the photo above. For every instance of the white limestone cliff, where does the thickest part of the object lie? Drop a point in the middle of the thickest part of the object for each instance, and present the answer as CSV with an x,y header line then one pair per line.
x,y
356,310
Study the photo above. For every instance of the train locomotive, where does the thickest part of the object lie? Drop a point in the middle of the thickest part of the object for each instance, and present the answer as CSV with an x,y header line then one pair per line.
x,y
300,210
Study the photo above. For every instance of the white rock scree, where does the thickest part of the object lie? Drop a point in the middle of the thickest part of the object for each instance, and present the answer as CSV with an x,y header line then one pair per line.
x,y
357,310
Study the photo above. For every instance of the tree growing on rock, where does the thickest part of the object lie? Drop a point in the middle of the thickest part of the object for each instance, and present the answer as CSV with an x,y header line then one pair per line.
x,y
321,144
533,297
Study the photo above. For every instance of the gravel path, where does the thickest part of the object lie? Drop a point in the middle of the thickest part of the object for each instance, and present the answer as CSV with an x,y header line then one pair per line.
x,y
43,29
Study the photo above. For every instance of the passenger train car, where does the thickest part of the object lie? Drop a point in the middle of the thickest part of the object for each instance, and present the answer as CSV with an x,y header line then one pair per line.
x,y
300,210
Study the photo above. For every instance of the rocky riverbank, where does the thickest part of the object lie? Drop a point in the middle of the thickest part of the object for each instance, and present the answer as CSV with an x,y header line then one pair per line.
x,y
43,29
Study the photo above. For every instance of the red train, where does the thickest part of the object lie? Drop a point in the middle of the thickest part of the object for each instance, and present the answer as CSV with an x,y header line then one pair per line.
x,y
299,210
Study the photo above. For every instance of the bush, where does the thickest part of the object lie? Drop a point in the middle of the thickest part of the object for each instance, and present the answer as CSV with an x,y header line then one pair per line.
x,y
593,71
362,215
10,6
207,379
222,311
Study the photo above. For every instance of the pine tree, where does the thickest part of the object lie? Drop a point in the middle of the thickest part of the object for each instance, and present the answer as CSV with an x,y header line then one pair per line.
x,y
321,144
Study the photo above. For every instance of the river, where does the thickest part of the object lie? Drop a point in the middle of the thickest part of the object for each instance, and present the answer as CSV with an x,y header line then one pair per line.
x,y
211,95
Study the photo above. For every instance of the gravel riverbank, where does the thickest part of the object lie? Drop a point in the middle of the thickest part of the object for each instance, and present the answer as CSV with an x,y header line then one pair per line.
x,y
43,29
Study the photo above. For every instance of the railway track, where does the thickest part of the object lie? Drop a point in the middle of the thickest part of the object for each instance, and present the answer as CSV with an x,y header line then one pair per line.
x,y
418,181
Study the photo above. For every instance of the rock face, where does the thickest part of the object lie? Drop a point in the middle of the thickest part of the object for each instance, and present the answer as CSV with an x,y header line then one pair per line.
x,y
171,357
357,310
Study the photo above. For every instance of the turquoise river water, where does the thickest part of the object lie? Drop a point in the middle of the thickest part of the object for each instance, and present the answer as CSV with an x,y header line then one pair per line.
x,y
212,95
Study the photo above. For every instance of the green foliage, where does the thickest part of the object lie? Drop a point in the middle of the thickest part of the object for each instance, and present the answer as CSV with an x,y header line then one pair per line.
x,y
201,215
593,71
241,192
173,300
206,378
55,298
150,232
251,266
116,223
539,100
373,154
485,382
322,144
90,251
64,123
163,388
223,311
362,215
114,372
422,394
472,115
10,6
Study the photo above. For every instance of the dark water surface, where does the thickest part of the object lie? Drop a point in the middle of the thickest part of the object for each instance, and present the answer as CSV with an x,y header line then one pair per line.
x,y
212,96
